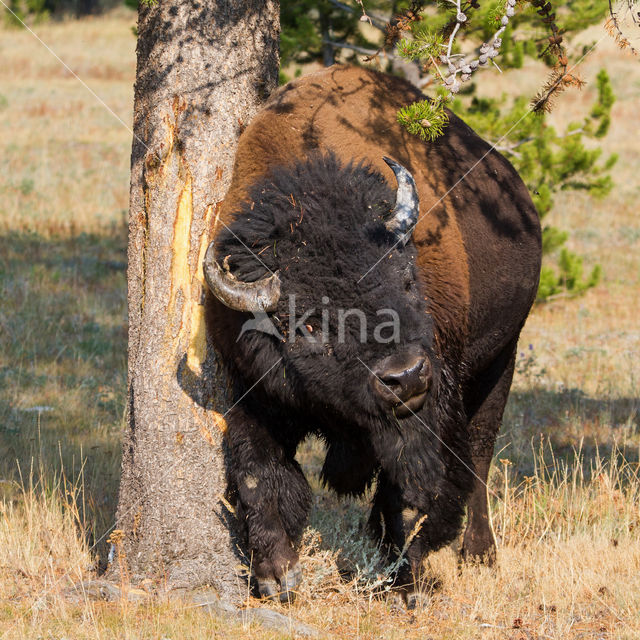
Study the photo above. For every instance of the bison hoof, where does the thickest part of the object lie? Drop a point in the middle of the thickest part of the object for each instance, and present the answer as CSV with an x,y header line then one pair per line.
x,y
417,595
417,601
268,589
282,590
478,546
411,601
485,555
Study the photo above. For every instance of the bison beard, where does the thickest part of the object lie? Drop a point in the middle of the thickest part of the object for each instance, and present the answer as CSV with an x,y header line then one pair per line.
x,y
308,238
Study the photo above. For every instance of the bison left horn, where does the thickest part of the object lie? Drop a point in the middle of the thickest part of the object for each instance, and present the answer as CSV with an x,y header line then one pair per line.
x,y
262,295
405,214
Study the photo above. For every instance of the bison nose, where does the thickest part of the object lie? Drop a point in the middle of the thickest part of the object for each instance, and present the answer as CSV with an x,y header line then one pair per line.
x,y
402,382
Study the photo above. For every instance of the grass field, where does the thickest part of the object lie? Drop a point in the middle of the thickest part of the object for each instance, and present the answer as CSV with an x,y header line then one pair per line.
x,y
565,485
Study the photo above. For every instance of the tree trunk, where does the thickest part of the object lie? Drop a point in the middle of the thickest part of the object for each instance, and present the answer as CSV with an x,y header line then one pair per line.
x,y
204,68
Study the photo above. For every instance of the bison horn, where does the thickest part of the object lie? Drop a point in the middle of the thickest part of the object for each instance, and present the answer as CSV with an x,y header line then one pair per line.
x,y
262,295
405,214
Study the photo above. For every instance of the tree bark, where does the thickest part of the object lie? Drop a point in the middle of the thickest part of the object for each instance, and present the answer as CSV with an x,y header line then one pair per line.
x,y
204,68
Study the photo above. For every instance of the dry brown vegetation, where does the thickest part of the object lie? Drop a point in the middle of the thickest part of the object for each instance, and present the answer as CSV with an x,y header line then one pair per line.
x,y
565,485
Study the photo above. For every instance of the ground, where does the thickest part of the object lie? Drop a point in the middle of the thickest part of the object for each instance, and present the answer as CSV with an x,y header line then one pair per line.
x,y
565,485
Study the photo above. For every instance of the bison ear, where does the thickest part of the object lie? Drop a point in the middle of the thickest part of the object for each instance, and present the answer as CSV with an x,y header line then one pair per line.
x,y
404,217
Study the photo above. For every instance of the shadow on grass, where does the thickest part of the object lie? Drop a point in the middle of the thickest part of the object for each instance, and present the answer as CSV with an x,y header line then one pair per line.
x,y
63,366
568,420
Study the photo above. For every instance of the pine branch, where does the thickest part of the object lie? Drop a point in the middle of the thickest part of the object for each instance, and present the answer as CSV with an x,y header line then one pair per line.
x,y
613,27
511,147
371,53
378,23
558,81
402,23
426,119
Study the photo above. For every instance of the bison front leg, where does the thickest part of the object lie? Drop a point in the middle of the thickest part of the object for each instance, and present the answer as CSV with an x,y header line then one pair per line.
x,y
399,526
273,501
486,403
422,489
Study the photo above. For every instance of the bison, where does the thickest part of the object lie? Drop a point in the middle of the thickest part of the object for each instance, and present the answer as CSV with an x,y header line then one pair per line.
x,y
388,280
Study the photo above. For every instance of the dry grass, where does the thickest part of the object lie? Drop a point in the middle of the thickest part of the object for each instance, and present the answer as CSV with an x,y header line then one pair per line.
x,y
64,160
565,486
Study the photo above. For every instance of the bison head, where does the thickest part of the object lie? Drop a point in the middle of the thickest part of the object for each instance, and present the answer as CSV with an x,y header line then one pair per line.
x,y
320,253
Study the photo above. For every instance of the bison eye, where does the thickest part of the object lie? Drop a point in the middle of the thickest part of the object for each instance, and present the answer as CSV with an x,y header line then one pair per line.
x,y
308,330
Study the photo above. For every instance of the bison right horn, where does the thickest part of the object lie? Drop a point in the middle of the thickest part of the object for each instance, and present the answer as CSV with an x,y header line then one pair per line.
x,y
405,214
262,295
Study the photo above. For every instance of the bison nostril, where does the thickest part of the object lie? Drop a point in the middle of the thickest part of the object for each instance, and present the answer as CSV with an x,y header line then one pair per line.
x,y
393,387
403,381
391,379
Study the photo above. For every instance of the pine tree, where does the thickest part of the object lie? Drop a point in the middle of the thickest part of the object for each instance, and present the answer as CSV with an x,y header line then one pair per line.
x,y
312,28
